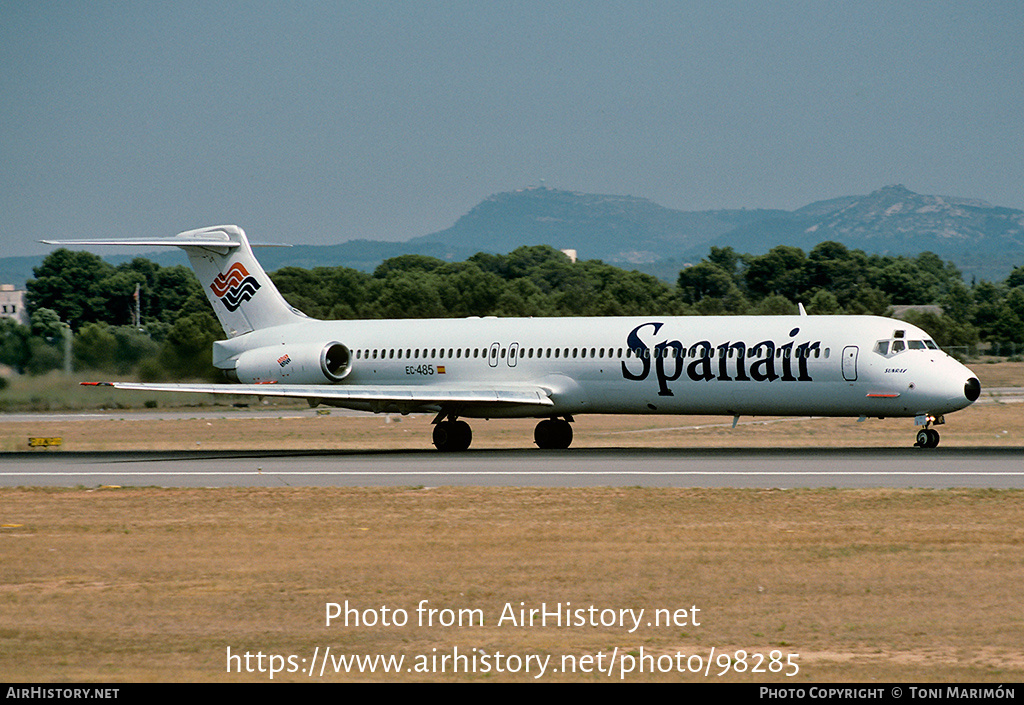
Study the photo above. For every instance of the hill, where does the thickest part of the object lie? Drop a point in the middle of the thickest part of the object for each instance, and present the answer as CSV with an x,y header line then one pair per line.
x,y
983,240
617,229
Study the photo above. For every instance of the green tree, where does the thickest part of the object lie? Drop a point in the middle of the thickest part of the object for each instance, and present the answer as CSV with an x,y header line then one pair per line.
x,y
46,323
15,351
779,271
467,290
945,330
94,347
170,289
704,280
868,301
410,294
728,260
187,352
71,283
43,356
824,303
776,305
407,263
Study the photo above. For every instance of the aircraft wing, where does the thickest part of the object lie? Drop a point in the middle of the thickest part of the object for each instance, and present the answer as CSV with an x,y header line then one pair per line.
x,y
378,397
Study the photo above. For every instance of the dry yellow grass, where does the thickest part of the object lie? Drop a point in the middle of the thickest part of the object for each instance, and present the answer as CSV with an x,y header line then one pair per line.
x,y
156,584
994,372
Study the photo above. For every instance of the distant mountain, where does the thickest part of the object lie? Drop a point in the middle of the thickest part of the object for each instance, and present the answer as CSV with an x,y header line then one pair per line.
x,y
983,240
618,229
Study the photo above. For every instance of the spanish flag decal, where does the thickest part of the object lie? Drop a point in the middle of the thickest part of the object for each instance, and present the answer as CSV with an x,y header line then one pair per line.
x,y
440,369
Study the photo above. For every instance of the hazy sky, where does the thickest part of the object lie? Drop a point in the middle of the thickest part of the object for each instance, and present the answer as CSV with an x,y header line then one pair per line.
x,y
319,122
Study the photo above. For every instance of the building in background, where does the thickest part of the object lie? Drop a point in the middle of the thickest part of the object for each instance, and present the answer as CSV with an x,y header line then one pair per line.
x,y
12,304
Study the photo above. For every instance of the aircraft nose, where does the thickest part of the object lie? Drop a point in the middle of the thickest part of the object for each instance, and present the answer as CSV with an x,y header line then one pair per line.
x,y
972,389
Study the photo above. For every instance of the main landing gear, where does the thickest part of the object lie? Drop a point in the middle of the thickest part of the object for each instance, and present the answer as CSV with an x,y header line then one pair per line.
x,y
450,434
928,437
553,433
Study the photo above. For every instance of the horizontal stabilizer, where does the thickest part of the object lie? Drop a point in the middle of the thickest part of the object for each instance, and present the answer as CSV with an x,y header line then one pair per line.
x,y
151,242
162,242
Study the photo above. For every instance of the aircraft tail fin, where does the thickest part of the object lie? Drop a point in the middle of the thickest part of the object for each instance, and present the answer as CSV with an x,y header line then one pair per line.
x,y
241,293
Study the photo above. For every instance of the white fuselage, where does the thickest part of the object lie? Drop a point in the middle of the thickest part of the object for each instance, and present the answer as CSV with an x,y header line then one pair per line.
x,y
735,365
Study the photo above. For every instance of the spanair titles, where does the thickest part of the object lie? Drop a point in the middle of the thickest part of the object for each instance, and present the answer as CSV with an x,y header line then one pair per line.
x,y
706,361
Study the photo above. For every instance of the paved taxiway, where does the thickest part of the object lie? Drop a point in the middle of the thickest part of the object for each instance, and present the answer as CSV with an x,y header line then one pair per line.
x,y
656,467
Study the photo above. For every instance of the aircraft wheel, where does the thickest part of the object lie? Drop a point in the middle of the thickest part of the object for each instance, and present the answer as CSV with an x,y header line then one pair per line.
x,y
553,434
463,435
452,435
927,438
441,434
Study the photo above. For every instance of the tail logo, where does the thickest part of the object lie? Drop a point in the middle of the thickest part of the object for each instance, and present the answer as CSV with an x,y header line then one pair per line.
x,y
234,286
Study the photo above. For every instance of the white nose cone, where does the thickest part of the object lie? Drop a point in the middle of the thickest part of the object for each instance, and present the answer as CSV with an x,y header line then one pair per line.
x,y
951,386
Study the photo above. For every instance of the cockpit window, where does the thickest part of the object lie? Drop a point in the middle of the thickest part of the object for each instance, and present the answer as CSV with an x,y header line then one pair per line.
x,y
888,348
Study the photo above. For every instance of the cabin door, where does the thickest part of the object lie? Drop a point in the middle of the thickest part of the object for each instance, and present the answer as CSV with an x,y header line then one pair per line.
x,y
850,363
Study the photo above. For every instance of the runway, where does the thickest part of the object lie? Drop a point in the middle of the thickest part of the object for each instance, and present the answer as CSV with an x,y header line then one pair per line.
x,y
739,468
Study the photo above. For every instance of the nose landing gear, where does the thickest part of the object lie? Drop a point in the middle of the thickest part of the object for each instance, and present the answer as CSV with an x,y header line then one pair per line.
x,y
928,437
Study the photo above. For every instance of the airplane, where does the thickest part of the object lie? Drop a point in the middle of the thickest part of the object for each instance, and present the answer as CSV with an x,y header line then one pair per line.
x,y
554,369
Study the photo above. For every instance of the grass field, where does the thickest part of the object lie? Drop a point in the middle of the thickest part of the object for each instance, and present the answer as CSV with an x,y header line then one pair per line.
x,y
155,584
150,584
